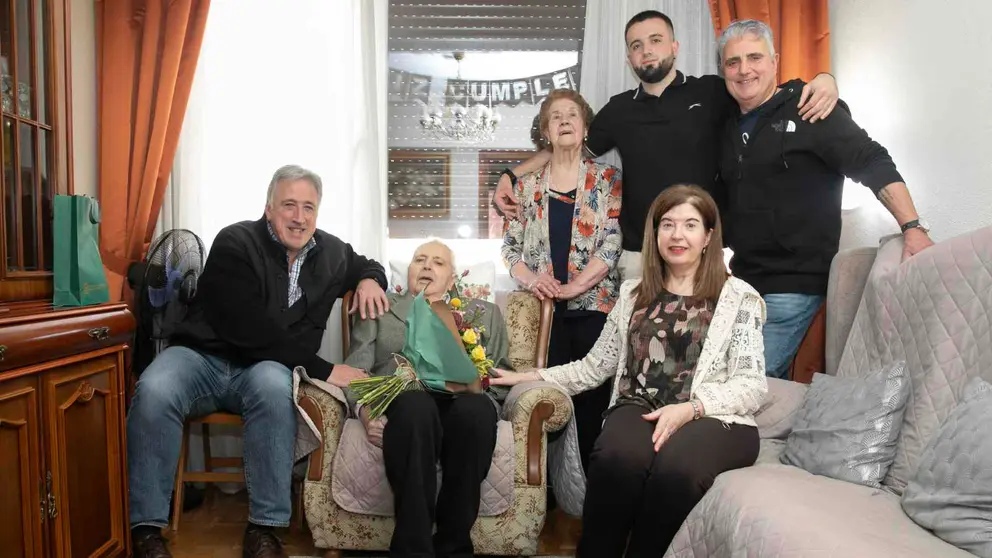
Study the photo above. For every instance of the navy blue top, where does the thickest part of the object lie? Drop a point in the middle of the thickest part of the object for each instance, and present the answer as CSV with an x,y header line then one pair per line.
x,y
560,214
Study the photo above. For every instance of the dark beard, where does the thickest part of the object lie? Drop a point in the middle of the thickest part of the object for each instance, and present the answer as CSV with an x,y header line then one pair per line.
x,y
654,74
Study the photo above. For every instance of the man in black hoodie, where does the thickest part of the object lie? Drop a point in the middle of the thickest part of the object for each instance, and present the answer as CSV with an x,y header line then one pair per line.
x,y
784,182
260,310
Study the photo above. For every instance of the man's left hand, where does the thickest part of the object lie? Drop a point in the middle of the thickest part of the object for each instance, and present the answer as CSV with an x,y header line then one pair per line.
x,y
914,242
370,300
818,99
669,419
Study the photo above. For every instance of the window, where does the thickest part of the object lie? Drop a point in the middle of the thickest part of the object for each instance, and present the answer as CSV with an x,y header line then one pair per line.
x,y
34,136
455,69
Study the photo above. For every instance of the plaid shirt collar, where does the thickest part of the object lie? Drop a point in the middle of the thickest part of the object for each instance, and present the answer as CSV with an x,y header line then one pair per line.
x,y
295,292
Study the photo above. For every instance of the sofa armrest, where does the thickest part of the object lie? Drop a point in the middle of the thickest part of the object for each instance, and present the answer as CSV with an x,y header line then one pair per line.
x,y
534,408
328,415
778,412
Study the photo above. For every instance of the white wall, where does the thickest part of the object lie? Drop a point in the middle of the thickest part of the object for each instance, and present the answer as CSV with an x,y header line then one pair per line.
x,y
82,37
916,77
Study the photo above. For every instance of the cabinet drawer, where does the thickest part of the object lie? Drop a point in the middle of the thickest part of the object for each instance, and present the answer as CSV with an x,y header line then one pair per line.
x,y
59,333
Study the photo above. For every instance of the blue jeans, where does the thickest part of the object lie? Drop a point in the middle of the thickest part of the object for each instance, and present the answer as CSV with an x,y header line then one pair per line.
x,y
789,316
182,383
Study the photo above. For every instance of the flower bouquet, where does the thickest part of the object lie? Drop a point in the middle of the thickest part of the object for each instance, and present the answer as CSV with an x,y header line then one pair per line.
x,y
442,351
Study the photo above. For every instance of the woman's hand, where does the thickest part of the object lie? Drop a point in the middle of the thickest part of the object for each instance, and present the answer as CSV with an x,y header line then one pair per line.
x,y
509,378
545,286
373,428
569,291
669,419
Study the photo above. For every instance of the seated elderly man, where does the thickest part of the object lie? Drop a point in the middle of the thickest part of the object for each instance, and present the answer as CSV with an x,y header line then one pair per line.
x,y
422,428
263,299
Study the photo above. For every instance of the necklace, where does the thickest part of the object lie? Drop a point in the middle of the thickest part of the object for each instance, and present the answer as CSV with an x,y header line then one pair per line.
x,y
560,196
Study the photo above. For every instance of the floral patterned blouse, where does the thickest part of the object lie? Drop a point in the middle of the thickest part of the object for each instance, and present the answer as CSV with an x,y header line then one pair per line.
x,y
595,230
666,339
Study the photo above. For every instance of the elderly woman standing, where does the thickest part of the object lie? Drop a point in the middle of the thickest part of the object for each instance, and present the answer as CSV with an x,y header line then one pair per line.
x,y
684,344
566,243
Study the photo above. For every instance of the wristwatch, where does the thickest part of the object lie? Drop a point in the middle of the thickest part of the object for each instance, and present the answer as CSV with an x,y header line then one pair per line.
x,y
919,223
508,172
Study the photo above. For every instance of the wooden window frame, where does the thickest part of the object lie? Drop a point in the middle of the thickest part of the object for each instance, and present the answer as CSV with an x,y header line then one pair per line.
x,y
490,158
34,288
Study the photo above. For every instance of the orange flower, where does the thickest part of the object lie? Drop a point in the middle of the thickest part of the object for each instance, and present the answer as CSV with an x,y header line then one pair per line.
x,y
617,188
586,228
590,181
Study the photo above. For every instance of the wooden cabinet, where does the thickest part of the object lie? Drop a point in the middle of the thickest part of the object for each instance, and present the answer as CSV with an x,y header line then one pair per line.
x,y
63,481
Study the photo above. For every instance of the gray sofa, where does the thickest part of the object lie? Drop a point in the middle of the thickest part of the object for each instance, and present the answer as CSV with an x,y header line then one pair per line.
x,y
932,311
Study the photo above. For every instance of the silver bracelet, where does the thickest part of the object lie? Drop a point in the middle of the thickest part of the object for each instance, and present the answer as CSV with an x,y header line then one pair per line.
x,y
695,409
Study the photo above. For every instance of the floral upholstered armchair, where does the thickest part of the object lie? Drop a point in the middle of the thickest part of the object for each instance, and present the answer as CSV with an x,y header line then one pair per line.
x,y
347,501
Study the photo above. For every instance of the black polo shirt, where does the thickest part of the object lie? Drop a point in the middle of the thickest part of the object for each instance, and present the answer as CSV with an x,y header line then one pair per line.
x,y
666,140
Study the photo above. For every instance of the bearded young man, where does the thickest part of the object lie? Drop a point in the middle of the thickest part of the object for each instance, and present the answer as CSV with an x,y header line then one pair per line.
x,y
666,130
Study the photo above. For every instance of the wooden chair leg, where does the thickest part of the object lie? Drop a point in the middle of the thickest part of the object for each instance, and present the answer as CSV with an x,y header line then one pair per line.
x,y
177,491
299,521
206,447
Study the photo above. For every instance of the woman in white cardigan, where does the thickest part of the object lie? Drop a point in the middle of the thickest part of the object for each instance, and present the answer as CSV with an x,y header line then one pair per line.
x,y
684,346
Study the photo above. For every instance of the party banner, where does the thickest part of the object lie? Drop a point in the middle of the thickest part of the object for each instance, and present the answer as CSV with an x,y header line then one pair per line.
x,y
406,86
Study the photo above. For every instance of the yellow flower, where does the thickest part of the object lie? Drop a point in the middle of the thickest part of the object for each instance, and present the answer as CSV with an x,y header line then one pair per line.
x,y
478,353
470,337
456,303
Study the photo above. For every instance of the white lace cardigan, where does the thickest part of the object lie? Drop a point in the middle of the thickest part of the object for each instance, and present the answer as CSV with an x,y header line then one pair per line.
x,y
729,378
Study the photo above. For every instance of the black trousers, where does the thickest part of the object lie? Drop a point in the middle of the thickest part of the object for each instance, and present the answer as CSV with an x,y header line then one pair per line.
x,y
636,499
423,429
571,339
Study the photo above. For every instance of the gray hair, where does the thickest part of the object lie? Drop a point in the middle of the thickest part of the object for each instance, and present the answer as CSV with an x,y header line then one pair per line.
x,y
740,29
439,242
292,173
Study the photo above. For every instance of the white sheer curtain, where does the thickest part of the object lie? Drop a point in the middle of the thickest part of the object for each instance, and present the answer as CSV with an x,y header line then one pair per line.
x,y
605,71
300,83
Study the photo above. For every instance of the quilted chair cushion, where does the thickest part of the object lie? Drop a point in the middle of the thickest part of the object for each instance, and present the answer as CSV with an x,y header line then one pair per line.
x,y
359,482
933,311
523,319
951,493
847,427
778,412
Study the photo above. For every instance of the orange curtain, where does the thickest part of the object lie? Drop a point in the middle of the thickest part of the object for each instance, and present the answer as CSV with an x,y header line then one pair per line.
x,y
146,57
801,28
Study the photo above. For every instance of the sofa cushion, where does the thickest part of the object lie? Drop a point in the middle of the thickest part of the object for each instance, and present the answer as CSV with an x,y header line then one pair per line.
x,y
951,493
777,414
359,482
847,427
932,311
783,511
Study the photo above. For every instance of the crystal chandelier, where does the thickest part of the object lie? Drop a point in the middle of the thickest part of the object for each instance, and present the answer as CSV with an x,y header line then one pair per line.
x,y
454,122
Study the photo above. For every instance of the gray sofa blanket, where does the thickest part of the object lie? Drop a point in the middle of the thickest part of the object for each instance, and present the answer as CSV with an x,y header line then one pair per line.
x,y
933,311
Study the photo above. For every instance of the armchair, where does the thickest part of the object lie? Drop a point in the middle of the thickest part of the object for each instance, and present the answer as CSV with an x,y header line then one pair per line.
x,y
533,410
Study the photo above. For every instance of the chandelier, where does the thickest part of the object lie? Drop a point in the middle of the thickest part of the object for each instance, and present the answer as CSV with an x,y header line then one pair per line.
x,y
469,124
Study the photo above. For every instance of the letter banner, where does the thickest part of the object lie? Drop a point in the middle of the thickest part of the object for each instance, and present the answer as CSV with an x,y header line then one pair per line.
x,y
406,86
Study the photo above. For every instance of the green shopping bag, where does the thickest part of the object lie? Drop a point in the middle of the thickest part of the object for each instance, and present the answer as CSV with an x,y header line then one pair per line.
x,y
78,268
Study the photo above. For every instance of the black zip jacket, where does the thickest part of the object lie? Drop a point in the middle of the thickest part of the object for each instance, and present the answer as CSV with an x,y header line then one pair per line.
x,y
240,309
784,187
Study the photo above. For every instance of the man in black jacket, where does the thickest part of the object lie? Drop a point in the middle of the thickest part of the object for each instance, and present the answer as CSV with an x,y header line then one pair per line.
x,y
260,310
784,181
